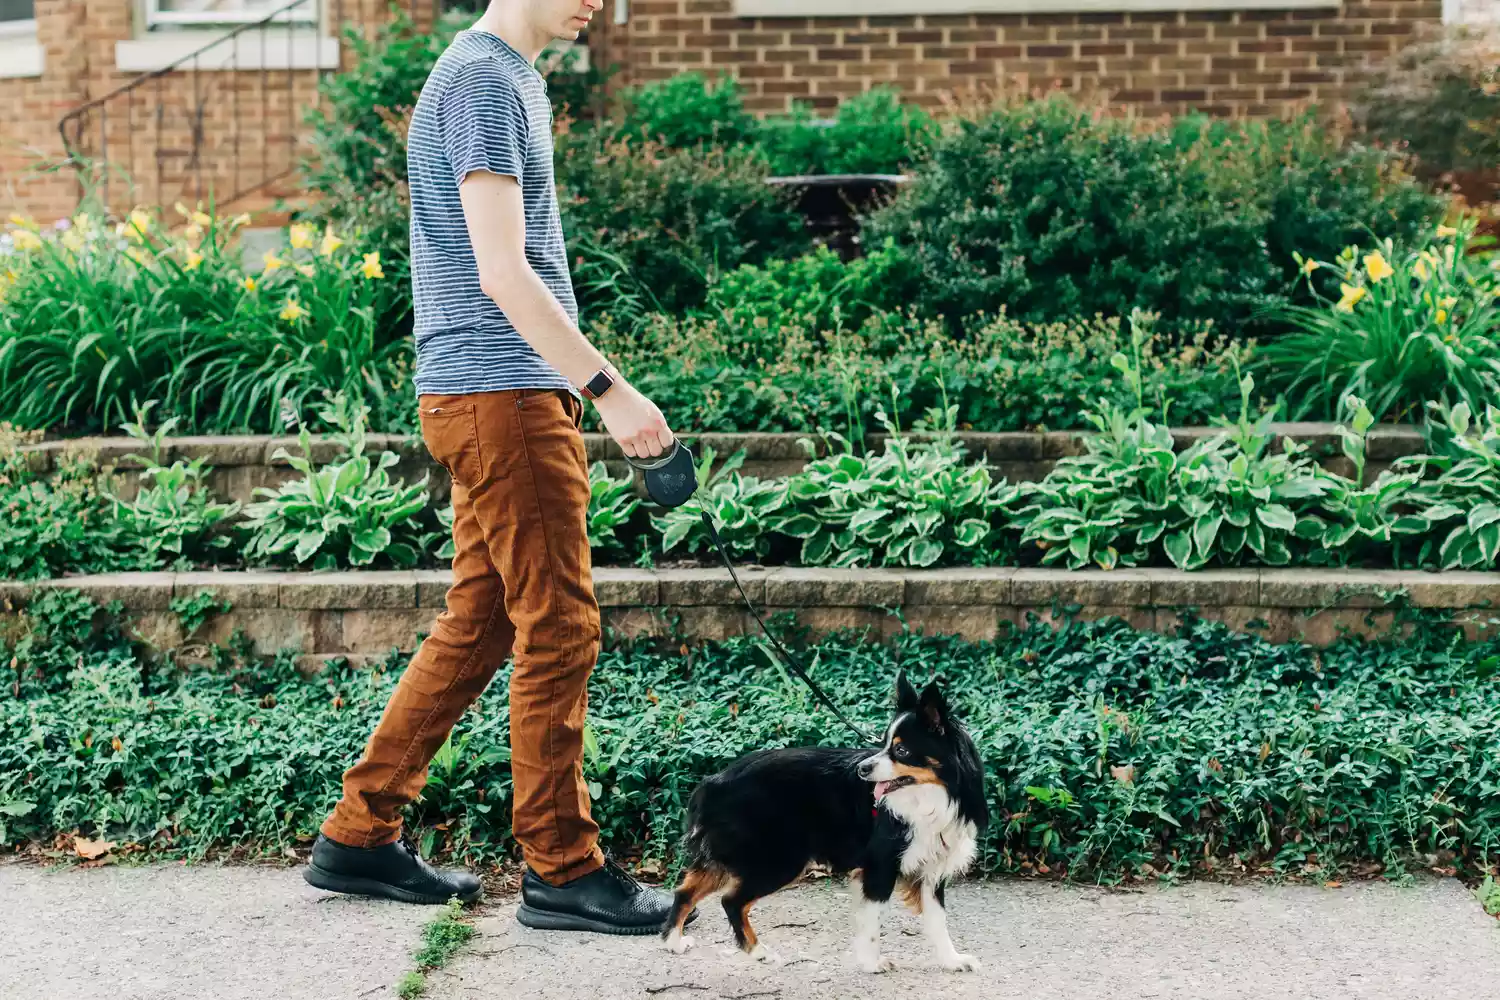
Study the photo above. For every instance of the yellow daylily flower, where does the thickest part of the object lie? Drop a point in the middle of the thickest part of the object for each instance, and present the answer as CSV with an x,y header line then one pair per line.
x,y
140,222
1310,265
83,221
202,219
134,253
182,210
242,219
248,284
194,260
307,270
301,236
1376,266
293,312
73,240
1420,269
1446,232
273,262
1352,295
193,231
25,239
1442,316
22,222
372,268
330,244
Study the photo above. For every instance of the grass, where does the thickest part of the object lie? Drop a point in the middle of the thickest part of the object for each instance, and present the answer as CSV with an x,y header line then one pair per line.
x,y
449,931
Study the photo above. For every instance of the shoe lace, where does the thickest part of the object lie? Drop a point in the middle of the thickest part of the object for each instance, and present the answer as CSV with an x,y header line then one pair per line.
x,y
622,876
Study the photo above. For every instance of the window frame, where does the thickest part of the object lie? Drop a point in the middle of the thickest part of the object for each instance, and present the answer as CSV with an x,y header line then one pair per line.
x,y
155,17
853,8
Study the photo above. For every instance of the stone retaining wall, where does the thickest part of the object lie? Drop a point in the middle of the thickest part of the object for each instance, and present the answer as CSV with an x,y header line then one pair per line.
x,y
366,614
242,463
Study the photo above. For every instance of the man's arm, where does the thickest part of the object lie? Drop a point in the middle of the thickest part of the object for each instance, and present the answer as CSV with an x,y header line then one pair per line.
x,y
495,214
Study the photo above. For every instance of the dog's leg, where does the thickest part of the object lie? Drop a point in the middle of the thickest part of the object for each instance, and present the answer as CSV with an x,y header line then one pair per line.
x,y
737,905
935,924
696,884
868,899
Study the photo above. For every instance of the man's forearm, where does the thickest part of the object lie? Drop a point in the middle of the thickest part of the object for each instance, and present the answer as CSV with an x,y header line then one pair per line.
x,y
543,323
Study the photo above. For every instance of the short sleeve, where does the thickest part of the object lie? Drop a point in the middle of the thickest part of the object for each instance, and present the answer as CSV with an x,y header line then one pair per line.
x,y
483,121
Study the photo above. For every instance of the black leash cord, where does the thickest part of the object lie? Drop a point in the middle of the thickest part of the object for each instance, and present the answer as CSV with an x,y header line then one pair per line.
x,y
791,662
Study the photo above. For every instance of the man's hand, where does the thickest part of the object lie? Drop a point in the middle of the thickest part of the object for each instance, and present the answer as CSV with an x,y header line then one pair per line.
x,y
634,421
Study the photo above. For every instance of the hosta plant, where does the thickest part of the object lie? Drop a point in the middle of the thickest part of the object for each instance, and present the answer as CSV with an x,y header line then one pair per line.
x,y
173,515
349,512
744,509
612,503
916,503
1462,487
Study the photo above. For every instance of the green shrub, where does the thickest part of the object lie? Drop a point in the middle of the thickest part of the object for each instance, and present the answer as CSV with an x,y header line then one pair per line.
x,y
347,513
1105,749
1410,325
686,110
650,228
1440,98
871,133
1048,209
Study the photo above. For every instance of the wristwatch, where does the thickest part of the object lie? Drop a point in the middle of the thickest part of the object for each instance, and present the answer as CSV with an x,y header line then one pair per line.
x,y
601,382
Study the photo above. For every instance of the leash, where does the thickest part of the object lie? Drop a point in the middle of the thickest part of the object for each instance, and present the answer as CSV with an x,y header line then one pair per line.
x,y
671,480
787,659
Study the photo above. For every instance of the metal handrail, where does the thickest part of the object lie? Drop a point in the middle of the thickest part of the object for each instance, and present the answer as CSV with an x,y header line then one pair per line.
x,y
78,122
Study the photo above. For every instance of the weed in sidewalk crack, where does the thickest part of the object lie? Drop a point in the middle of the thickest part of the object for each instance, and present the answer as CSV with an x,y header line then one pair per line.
x,y
441,940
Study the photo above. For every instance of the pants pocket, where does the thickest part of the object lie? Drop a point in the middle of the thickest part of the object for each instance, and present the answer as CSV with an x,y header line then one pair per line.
x,y
450,430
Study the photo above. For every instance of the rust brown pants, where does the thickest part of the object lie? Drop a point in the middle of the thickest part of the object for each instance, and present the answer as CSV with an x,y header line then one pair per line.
x,y
522,586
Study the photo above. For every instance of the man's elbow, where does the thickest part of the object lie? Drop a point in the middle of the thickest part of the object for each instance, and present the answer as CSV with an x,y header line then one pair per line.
x,y
502,279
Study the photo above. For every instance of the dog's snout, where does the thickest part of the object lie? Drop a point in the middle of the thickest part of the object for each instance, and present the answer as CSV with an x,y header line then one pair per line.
x,y
866,768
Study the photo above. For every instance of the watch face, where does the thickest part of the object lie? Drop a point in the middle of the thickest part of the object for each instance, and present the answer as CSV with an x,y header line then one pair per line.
x,y
599,384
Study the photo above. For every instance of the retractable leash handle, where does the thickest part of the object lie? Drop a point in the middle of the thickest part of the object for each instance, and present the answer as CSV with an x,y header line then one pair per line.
x,y
671,481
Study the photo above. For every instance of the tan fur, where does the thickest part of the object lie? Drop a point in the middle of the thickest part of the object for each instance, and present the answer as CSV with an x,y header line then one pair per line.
x,y
911,894
698,883
920,775
750,938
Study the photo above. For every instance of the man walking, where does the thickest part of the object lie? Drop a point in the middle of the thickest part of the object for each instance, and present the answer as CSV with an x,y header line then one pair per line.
x,y
500,366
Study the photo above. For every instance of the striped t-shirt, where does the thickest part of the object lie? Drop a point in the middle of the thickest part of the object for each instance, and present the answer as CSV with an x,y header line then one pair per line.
x,y
483,108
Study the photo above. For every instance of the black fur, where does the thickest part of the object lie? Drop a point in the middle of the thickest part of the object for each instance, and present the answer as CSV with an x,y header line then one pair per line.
x,y
756,826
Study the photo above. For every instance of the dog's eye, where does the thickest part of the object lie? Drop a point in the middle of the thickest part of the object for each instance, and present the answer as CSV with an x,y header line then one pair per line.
x,y
900,752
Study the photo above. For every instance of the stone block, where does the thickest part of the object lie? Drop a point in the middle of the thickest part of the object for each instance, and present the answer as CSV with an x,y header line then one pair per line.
x,y
1248,619
1387,443
999,449
624,587
622,623
972,622
1324,627
823,620
158,630
272,630
710,622
694,587
432,587
970,585
1136,617
378,632
351,590
1452,589
1093,587
221,450
1061,444
1328,588
835,588
136,591
1205,588
251,589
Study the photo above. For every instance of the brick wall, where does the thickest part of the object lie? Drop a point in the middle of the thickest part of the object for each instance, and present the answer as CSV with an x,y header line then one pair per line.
x,y
1228,63
253,112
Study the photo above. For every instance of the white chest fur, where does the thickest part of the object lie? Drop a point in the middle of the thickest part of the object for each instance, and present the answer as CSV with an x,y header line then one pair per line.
x,y
942,845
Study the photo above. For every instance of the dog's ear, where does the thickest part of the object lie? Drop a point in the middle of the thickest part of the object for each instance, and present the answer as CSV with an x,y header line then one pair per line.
x,y
934,709
906,695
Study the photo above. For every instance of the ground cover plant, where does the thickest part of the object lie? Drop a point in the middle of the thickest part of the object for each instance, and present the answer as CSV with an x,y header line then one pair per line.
x,y
1110,753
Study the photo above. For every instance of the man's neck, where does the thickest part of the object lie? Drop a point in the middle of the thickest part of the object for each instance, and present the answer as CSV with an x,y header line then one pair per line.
x,y
507,21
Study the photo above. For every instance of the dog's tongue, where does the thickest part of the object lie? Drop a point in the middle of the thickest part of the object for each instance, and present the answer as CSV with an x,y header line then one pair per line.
x,y
881,787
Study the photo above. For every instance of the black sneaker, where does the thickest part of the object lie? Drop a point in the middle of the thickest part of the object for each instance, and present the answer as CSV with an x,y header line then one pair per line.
x,y
393,871
607,901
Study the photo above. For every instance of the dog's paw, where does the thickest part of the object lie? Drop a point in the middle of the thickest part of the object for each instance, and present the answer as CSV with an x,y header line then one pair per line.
x,y
678,944
763,954
875,964
961,963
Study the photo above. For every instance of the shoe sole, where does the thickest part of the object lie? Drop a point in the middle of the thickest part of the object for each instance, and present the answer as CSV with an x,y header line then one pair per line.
x,y
353,886
546,920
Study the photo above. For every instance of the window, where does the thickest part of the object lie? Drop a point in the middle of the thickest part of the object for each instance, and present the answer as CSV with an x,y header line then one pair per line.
x,y
223,12
1465,11
804,8
17,17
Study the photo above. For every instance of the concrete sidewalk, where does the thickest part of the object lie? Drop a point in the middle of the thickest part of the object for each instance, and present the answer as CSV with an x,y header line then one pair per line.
x,y
177,933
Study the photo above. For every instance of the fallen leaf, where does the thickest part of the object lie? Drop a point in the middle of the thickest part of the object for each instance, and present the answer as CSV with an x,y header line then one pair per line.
x,y
1333,885
118,746
1265,750
1124,775
92,849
